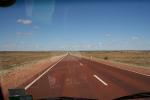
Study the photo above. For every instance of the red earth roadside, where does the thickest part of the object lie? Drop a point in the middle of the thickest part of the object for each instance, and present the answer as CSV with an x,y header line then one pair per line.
x,y
17,76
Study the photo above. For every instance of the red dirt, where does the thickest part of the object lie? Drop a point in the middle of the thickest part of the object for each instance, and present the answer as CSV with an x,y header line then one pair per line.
x,y
17,76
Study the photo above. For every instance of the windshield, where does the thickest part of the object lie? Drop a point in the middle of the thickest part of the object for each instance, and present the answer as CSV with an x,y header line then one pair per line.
x,y
95,49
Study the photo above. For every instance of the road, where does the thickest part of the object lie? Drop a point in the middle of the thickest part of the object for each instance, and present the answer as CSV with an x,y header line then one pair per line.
x,y
79,77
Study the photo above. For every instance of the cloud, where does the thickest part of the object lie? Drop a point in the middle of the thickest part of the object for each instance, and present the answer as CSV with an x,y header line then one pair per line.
x,y
23,34
36,27
19,46
108,34
8,46
24,21
82,46
135,38
100,44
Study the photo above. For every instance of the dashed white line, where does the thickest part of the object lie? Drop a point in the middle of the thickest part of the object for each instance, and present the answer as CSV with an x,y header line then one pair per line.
x,y
100,80
30,84
81,64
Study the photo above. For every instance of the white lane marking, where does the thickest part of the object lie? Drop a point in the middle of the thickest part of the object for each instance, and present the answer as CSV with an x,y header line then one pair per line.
x,y
30,84
100,80
81,64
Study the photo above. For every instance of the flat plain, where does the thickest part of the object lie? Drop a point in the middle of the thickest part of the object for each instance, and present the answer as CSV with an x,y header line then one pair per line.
x,y
137,58
17,58
14,59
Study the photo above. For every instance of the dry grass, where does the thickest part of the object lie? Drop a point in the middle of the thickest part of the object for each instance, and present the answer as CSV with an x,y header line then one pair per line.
x,y
138,58
16,59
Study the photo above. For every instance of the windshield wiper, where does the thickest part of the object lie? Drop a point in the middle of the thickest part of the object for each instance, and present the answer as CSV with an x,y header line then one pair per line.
x,y
66,98
20,94
135,96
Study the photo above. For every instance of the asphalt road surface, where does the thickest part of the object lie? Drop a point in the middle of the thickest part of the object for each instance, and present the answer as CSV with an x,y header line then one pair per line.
x,y
79,77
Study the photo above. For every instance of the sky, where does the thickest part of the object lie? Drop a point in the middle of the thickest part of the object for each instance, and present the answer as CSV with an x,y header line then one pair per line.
x,y
37,25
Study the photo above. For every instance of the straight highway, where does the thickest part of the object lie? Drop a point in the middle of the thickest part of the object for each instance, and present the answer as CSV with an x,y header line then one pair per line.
x,y
74,76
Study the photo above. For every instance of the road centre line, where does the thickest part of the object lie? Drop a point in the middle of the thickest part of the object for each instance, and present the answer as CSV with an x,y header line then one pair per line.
x,y
100,80
81,64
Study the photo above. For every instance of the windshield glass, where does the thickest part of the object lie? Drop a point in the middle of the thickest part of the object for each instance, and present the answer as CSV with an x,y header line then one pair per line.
x,y
97,49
